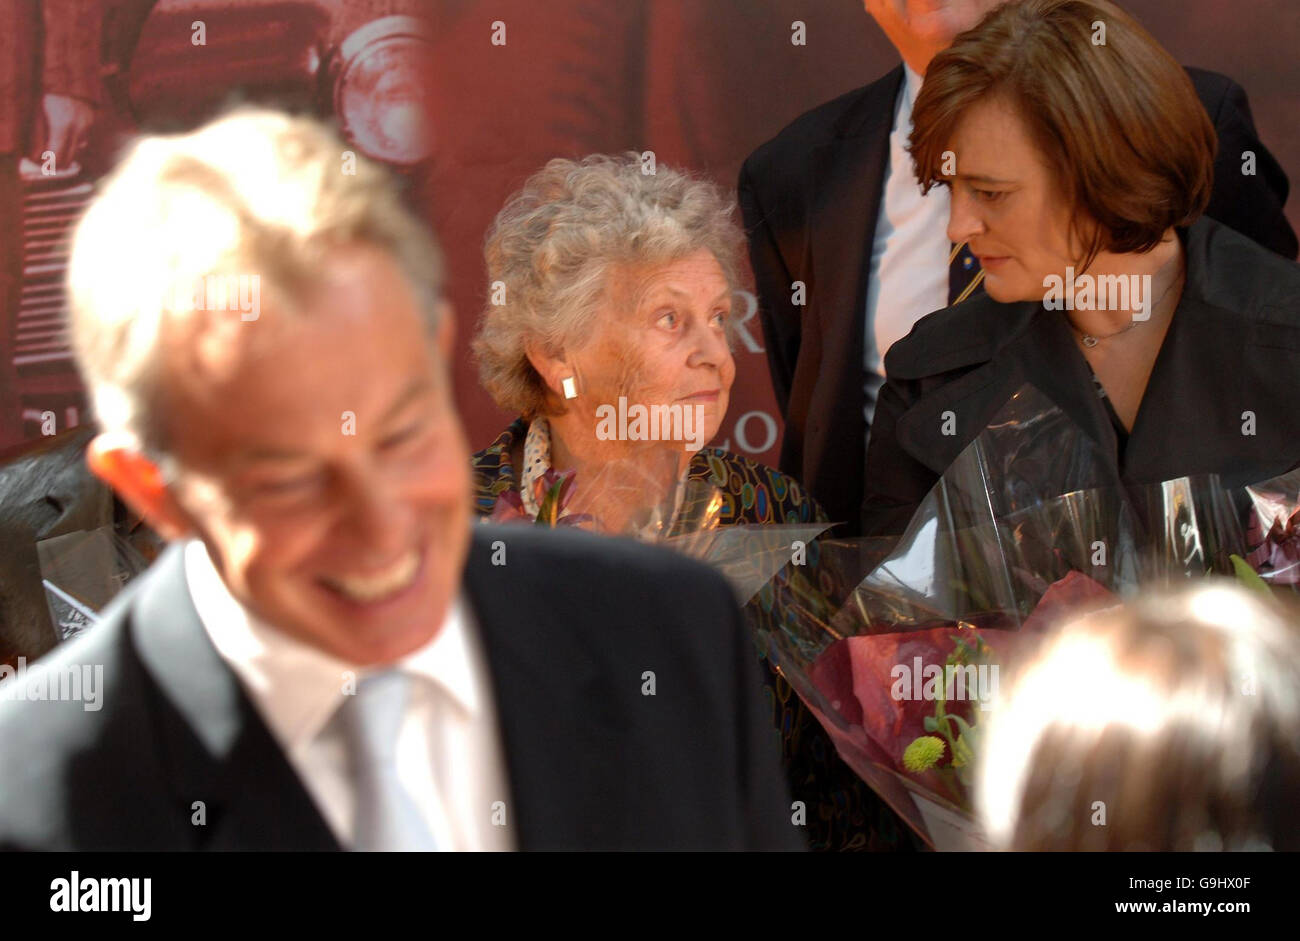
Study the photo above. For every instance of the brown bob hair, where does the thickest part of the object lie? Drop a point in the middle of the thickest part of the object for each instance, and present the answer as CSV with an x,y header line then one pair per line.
x,y
1114,115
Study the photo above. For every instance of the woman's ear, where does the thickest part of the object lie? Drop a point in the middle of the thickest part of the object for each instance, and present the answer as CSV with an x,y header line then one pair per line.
x,y
553,368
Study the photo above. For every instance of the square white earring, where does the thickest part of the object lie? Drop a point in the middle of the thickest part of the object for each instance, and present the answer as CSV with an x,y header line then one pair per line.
x,y
570,387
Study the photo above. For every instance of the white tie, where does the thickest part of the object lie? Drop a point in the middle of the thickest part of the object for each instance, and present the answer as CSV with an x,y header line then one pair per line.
x,y
386,817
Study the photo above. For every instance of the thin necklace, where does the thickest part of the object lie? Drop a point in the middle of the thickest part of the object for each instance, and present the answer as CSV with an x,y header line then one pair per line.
x,y
1089,340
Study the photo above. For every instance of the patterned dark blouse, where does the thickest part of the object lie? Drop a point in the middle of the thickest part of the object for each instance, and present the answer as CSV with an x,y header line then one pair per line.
x,y
842,812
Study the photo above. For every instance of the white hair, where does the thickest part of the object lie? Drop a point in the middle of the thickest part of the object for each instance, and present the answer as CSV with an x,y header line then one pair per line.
x,y
256,194
552,246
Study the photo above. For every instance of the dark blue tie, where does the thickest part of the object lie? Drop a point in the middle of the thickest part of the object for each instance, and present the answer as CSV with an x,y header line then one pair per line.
x,y
965,276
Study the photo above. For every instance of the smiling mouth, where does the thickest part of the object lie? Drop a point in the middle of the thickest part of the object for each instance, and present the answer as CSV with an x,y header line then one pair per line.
x,y
390,581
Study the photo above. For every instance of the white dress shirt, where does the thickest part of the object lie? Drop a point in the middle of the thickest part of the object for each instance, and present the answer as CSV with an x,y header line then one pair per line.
x,y
909,254
449,754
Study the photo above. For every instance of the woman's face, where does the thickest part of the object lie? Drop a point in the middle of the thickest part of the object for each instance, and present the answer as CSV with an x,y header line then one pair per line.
x,y
1006,203
660,339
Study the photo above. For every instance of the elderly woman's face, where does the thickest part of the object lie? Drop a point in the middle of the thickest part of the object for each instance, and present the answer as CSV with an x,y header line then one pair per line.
x,y
1005,202
661,340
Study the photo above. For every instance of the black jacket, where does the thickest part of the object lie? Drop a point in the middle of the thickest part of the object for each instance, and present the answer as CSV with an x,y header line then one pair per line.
x,y
1232,347
570,623
810,198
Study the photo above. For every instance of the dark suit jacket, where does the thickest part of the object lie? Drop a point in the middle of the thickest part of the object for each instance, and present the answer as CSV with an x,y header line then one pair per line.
x,y
810,198
1233,346
570,623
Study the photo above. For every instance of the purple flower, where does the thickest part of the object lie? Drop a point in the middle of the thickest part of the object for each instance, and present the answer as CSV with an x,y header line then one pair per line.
x,y
552,493
510,509
1276,554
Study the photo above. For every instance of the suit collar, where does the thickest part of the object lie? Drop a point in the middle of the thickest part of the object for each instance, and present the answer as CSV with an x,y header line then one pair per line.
x,y
187,668
545,678
1040,351
863,117
981,327
219,750
995,348
849,178
848,175
294,685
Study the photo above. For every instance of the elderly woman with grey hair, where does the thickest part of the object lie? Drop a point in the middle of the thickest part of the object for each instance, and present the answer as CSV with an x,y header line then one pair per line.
x,y
610,291
607,330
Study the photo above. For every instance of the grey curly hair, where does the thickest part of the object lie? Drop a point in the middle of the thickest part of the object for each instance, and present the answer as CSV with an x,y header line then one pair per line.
x,y
552,245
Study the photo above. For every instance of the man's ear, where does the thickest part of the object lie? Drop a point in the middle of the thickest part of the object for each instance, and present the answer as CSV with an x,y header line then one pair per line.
x,y
116,459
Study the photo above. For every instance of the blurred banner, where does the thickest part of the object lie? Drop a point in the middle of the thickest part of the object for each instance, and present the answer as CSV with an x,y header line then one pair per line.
x,y
465,98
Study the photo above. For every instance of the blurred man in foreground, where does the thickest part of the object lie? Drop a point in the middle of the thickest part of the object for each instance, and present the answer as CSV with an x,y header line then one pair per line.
x,y
327,657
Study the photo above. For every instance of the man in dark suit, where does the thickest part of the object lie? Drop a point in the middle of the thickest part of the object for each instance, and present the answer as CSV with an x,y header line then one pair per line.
x,y
328,655
847,253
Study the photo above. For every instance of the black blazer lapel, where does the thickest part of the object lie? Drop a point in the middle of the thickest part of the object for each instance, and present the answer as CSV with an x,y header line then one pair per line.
x,y
848,178
1039,352
556,738
1219,400
218,749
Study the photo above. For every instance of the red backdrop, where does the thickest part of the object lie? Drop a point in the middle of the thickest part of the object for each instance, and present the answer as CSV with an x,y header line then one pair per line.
x,y
699,82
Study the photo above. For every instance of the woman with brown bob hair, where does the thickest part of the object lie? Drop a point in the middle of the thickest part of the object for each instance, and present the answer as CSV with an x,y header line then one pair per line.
x,y
1080,161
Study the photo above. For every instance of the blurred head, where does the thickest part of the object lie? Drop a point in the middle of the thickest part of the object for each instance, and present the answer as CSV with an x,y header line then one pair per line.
x,y
620,279
1171,724
1064,132
921,29
308,438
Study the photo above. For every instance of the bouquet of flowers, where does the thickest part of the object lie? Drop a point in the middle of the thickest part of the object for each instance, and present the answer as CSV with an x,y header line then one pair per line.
x,y
552,492
899,648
